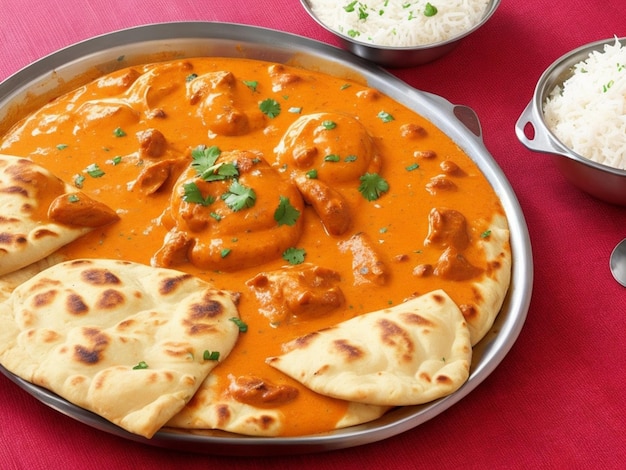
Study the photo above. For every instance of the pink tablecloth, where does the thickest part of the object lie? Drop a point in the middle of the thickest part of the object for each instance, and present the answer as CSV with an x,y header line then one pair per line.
x,y
558,398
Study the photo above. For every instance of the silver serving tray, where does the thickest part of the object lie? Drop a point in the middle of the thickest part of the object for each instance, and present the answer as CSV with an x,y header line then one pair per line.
x,y
51,75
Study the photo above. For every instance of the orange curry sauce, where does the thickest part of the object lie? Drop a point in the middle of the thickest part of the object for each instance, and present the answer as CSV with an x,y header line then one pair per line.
x,y
111,123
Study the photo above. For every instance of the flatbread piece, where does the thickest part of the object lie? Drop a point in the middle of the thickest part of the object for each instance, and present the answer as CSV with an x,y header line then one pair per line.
x,y
127,341
408,354
41,213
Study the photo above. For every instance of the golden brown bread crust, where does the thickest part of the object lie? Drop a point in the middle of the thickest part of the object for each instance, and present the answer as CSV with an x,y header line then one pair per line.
x,y
124,340
41,213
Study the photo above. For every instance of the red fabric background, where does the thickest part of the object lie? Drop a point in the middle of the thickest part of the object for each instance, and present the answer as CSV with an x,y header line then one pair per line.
x,y
557,399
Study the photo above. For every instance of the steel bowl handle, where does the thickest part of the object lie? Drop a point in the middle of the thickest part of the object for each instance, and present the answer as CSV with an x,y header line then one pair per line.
x,y
539,141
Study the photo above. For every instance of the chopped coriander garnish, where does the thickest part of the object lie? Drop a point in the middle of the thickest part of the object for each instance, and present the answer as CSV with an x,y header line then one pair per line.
x,y
294,255
350,6
252,84
485,234
331,158
270,107
350,158
385,116
62,146
412,167
239,196
119,132
191,76
116,160
216,216
430,10
211,355
193,195
285,213
240,324
141,365
204,162
94,171
363,14
79,180
328,124
345,86
225,252
73,198
353,33
372,186
295,110
311,174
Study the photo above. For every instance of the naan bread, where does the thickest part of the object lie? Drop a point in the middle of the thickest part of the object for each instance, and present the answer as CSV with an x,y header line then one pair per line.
x,y
209,409
40,213
124,340
408,354
490,291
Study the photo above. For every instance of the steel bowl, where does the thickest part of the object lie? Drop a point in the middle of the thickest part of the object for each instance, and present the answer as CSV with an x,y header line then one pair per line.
x,y
397,57
75,65
601,181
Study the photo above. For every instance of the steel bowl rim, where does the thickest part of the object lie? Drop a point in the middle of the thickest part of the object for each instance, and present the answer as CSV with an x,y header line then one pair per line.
x,y
491,9
545,86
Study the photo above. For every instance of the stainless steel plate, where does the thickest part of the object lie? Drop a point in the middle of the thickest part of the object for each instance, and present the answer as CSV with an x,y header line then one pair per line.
x,y
80,62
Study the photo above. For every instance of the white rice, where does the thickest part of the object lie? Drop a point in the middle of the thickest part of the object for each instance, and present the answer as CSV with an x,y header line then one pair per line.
x,y
399,23
587,112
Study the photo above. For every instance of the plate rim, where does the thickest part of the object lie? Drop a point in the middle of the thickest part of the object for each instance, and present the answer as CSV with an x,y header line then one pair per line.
x,y
269,44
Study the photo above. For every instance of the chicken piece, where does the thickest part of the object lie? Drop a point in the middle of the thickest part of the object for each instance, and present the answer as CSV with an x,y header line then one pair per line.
x,y
281,78
218,105
367,265
447,228
260,392
154,175
453,266
79,210
152,143
330,206
226,235
174,250
312,138
440,183
297,291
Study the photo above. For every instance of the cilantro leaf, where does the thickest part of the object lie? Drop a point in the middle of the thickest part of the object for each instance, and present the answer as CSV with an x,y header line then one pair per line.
x,y
294,255
211,355
238,196
206,166
285,213
372,186
79,181
384,116
204,157
270,107
252,84
243,327
94,171
193,195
